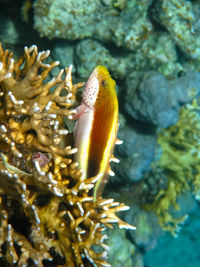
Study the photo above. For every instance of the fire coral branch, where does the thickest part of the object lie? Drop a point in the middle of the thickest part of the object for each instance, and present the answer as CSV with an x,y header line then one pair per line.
x,y
46,208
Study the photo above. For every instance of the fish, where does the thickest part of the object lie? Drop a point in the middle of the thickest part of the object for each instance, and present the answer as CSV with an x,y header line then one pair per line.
x,y
96,128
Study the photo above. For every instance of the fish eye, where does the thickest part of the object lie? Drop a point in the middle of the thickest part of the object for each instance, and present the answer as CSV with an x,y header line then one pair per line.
x,y
103,83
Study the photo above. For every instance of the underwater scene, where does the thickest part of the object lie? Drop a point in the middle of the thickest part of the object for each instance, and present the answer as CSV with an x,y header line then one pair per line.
x,y
99,133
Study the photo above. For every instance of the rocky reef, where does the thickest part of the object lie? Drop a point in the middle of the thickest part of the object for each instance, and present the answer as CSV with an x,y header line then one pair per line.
x,y
150,34
151,49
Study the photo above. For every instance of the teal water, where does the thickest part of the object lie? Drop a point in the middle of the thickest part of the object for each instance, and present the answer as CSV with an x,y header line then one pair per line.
x,y
182,251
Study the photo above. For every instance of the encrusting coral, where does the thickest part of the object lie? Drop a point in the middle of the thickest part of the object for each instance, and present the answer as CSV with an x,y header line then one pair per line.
x,y
47,211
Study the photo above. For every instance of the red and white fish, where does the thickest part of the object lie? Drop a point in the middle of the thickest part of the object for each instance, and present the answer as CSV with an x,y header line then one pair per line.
x,y
96,127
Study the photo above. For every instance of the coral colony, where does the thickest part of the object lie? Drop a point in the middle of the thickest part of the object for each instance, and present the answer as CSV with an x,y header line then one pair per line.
x,y
47,210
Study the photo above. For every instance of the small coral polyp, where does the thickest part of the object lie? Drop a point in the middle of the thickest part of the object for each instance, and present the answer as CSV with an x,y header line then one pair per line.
x,y
47,212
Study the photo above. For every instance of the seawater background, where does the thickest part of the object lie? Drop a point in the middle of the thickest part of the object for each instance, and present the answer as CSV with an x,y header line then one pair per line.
x,y
182,251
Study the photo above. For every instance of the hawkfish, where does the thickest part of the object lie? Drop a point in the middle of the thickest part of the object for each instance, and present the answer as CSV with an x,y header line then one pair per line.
x,y
96,128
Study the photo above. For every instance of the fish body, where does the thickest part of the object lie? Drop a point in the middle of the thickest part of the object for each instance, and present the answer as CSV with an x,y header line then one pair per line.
x,y
96,127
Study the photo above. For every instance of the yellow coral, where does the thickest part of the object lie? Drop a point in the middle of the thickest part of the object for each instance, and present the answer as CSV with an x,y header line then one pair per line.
x,y
41,187
181,162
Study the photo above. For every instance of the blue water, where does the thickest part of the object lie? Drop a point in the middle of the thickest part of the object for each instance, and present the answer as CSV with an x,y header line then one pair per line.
x,y
183,251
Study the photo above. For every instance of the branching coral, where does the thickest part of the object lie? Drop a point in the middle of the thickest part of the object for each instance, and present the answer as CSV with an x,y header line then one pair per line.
x,y
47,211
180,161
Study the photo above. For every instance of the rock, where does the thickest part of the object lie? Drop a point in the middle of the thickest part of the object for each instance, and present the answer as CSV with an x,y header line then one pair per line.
x,y
147,228
156,100
90,53
181,19
121,249
135,154
125,25
14,32
187,87
63,51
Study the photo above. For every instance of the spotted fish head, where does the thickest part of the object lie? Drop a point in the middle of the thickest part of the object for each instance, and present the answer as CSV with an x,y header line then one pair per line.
x,y
99,89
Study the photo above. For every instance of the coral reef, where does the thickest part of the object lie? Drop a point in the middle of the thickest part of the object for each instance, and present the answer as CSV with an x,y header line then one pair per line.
x,y
152,50
181,19
47,211
90,53
74,20
180,164
150,34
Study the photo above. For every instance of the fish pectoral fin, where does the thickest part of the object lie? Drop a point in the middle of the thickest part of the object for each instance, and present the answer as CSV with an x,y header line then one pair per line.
x,y
101,183
79,111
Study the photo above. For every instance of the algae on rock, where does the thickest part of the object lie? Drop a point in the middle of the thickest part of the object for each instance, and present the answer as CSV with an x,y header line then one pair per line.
x,y
77,20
